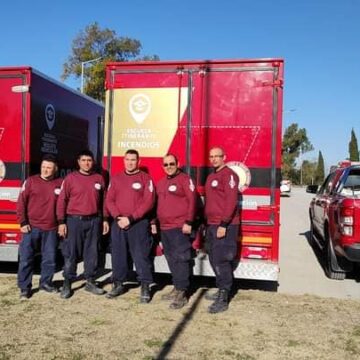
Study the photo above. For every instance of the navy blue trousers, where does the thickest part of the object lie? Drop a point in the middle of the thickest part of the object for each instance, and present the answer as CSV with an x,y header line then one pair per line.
x,y
177,250
31,242
81,243
137,241
222,253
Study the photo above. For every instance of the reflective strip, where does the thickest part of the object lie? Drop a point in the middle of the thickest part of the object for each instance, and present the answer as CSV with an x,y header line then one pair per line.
x,y
10,226
9,193
256,239
251,202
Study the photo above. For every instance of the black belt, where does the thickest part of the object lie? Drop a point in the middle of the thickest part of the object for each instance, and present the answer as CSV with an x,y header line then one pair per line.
x,y
83,217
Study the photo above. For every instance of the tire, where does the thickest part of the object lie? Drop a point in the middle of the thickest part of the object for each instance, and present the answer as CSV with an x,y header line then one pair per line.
x,y
331,263
311,235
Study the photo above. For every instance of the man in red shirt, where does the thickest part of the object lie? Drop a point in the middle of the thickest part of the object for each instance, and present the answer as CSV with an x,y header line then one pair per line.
x,y
81,221
130,199
36,214
175,213
221,212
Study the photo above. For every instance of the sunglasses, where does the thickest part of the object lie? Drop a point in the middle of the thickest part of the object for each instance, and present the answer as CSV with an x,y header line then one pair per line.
x,y
169,164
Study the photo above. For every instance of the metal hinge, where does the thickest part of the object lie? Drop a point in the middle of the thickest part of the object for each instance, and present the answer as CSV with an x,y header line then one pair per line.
x,y
275,83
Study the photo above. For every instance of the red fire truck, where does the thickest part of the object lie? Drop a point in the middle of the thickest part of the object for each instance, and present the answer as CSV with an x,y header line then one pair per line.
x,y
38,115
187,107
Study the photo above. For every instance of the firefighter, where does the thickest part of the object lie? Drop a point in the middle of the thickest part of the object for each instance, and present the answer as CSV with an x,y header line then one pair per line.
x,y
176,204
37,218
221,212
130,200
80,215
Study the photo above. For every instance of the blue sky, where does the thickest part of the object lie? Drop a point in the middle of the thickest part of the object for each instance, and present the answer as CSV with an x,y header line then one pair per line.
x,y
319,40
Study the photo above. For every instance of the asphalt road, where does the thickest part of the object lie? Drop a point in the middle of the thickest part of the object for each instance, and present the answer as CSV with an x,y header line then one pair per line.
x,y
301,266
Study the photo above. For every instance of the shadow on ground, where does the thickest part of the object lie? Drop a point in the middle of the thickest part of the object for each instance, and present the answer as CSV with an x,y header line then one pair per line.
x,y
321,257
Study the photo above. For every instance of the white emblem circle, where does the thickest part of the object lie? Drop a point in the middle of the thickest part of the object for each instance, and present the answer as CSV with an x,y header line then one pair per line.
x,y
214,183
57,191
242,172
97,186
172,188
136,186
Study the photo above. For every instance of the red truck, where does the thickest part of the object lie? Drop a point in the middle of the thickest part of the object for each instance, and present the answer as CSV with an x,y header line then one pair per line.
x,y
187,107
335,219
38,115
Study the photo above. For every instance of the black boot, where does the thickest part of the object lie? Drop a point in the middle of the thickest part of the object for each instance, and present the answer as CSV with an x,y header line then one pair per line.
x,y
66,289
221,303
180,300
93,288
212,295
117,290
170,295
145,295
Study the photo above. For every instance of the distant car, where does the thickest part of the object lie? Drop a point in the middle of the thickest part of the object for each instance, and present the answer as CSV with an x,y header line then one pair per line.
x,y
335,219
285,188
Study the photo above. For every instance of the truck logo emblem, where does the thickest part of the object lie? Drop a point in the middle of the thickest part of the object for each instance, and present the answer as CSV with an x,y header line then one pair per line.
x,y
139,107
243,172
50,116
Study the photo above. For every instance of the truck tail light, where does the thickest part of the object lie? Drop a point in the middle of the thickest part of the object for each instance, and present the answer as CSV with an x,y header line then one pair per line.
x,y
346,221
10,238
255,252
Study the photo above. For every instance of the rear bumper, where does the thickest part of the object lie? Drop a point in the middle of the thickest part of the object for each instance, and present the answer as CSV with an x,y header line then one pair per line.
x,y
352,252
246,269
9,253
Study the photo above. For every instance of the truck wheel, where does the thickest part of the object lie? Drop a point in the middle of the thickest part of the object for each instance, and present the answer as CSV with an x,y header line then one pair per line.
x,y
332,263
311,235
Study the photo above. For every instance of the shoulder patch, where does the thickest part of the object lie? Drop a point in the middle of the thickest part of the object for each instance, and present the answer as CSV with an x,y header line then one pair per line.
x,y
232,182
151,186
191,185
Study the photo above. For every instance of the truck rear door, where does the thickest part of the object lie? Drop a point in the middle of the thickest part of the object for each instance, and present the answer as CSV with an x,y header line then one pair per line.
x,y
12,148
185,108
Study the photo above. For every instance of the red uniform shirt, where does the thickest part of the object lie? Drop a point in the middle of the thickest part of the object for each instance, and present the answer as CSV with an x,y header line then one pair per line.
x,y
221,197
36,204
81,195
176,201
130,195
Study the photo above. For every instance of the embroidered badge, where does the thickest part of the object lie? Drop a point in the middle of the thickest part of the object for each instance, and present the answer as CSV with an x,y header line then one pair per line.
x,y
191,186
151,186
172,188
136,185
232,182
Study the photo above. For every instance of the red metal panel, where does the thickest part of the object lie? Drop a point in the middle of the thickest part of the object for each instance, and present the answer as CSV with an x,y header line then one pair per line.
x,y
236,104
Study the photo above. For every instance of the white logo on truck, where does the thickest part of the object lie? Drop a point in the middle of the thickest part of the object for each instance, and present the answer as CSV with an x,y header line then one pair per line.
x,y
139,107
50,116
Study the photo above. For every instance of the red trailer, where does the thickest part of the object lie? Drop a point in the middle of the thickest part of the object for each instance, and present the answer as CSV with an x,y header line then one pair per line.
x,y
38,115
187,107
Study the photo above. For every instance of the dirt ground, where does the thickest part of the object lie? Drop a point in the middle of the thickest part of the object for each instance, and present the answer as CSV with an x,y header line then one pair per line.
x,y
258,325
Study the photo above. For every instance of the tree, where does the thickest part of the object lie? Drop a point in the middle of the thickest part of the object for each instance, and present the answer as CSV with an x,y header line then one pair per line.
x,y
353,147
295,143
104,45
320,170
308,172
